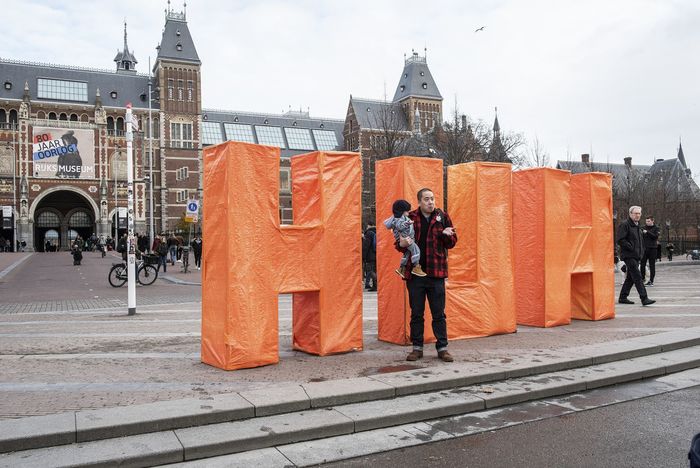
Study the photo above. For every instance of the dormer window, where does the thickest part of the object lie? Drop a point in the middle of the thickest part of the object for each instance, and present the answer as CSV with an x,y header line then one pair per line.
x,y
113,95
425,85
177,33
8,85
403,88
179,47
422,73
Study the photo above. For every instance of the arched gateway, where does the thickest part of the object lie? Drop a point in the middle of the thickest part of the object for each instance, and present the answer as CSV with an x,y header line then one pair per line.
x,y
60,215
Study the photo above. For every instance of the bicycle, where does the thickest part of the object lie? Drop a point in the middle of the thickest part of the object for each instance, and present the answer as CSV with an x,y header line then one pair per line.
x,y
146,272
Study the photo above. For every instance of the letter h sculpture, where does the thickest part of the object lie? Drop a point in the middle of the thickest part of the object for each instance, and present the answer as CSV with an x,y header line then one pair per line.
x,y
249,258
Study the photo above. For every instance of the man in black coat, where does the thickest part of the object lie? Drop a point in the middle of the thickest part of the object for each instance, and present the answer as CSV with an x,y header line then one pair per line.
x,y
631,242
650,233
369,256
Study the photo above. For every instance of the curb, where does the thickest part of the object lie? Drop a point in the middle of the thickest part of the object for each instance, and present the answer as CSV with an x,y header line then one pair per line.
x,y
225,438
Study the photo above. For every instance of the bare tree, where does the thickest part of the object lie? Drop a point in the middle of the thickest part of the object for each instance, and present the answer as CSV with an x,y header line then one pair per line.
x,y
388,131
537,155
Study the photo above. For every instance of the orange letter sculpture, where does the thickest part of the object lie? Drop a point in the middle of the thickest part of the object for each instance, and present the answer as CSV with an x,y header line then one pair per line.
x,y
542,247
592,247
249,258
562,226
479,291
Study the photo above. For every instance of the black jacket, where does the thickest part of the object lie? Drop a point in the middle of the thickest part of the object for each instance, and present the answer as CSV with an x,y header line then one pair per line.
x,y
629,238
369,245
651,236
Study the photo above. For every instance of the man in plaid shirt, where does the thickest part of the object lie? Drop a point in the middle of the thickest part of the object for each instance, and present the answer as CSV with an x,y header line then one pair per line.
x,y
434,235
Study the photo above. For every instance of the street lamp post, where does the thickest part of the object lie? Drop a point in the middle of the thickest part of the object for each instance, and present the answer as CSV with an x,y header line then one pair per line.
x,y
151,228
668,231
116,206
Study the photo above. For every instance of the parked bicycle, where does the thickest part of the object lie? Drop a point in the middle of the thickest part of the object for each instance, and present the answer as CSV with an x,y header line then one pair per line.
x,y
146,272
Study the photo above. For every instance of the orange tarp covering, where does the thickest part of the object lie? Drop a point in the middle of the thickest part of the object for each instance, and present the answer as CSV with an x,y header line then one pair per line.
x,y
249,259
400,178
541,245
592,247
479,292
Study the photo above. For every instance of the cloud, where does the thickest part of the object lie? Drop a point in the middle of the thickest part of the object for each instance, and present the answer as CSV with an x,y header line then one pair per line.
x,y
619,77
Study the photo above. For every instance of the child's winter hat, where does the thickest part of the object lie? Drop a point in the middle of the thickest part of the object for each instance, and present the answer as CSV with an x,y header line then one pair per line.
x,y
399,207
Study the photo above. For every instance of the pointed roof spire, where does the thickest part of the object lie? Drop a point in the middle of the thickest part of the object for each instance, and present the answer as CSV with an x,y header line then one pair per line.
x,y
681,156
125,59
496,126
416,79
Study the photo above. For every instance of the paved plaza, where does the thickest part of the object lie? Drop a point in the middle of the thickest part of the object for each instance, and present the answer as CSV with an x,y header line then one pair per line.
x,y
67,343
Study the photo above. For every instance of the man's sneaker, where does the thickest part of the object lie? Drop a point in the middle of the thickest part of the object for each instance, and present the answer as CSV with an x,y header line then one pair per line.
x,y
445,356
624,300
649,283
646,301
414,355
399,271
418,271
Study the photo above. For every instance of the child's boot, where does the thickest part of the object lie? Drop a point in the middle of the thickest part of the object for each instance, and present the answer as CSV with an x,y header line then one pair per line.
x,y
400,271
418,271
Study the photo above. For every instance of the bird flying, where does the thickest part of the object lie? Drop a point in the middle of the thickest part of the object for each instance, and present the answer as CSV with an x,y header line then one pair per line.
x,y
480,29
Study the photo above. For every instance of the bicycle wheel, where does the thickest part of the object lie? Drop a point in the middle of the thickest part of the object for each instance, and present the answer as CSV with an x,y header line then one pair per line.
x,y
147,274
117,276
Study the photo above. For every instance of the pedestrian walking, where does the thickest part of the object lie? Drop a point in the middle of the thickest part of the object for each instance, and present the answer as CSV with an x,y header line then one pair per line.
x,y
669,250
172,248
369,255
434,235
631,242
162,250
197,250
650,233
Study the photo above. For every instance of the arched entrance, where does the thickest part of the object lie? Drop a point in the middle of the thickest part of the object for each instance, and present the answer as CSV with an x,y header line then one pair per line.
x,y
64,214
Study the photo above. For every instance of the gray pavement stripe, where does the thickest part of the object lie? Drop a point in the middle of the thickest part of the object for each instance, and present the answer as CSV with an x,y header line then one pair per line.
x,y
150,355
97,321
14,265
654,315
597,328
99,335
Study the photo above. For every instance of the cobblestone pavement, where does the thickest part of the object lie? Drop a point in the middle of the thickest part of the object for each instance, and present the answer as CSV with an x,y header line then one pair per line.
x,y
62,348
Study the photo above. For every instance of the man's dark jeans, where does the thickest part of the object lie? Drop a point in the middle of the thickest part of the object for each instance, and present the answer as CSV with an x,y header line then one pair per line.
x,y
633,277
649,255
434,289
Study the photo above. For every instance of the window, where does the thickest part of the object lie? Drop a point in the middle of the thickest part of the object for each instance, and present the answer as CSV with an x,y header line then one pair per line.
x,y
239,132
190,90
285,185
271,136
325,140
171,85
110,123
62,90
182,196
211,133
182,173
425,85
299,138
80,219
181,135
119,166
180,86
48,219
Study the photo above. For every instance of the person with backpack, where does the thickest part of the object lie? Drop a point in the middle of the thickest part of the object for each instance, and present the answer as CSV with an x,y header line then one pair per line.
x,y
197,251
162,250
369,255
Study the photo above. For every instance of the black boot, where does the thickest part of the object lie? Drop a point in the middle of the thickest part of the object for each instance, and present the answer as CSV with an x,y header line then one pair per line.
x,y
624,300
646,301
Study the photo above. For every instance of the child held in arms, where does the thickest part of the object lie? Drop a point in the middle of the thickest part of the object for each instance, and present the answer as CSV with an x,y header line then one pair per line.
x,y
402,226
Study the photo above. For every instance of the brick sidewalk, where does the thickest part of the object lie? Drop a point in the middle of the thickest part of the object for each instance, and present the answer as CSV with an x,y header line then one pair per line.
x,y
90,358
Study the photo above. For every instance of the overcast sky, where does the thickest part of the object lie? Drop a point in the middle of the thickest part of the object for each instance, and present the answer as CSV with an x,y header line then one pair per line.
x,y
614,77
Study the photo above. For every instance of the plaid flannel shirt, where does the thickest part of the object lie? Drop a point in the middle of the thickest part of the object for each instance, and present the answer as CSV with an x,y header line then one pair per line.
x,y
436,244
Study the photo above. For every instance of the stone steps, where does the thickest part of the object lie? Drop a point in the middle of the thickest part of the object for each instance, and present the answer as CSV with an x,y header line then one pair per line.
x,y
180,430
